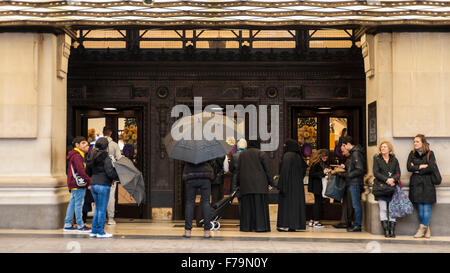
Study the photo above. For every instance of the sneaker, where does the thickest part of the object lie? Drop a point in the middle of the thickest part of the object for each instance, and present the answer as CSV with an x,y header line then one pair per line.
x,y
311,223
111,222
105,235
93,235
318,225
84,229
69,229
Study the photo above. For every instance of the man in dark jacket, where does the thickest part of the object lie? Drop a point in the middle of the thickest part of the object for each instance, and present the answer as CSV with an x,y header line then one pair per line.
x,y
198,177
75,166
354,178
347,208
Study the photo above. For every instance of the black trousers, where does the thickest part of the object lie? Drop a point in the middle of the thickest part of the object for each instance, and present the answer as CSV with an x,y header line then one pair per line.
x,y
205,190
347,208
87,206
317,207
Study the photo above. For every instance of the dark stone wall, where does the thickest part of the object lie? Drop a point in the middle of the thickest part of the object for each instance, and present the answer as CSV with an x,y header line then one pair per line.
x,y
156,86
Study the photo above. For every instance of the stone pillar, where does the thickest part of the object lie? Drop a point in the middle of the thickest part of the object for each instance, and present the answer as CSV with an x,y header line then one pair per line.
x,y
408,75
33,82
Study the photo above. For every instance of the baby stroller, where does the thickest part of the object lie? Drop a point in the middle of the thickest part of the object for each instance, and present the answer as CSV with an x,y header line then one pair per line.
x,y
218,210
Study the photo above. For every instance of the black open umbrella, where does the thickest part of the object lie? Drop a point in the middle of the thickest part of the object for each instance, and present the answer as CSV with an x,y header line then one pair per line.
x,y
198,151
130,178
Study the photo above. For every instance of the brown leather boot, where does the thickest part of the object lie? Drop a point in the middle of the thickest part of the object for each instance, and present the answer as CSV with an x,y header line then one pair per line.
x,y
420,232
428,232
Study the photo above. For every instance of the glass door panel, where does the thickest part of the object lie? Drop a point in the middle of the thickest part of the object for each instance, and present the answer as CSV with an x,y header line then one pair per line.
x,y
128,141
95,129
307,132
336,127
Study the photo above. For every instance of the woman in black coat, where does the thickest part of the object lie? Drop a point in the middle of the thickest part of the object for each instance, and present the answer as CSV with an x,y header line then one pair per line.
x,y
386,170
254,178
421,188
100,168
291,199
318,170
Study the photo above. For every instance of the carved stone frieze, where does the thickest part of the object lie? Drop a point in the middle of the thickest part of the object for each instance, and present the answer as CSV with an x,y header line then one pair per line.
x,y
272,92
250,92
162,92
294,92
184,92
140,92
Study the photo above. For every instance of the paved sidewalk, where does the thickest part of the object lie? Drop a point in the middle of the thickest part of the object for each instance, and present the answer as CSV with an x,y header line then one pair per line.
x,y
134,236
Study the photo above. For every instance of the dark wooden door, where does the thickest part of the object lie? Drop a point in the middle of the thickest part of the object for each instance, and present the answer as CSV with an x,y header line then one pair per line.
x,y
321,127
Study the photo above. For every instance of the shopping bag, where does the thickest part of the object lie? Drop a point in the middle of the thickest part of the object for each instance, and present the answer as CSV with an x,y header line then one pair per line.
x,y
400,204
324,186
335,187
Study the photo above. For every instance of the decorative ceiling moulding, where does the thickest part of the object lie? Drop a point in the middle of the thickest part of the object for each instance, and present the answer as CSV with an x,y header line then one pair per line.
x,y
221,4
228,24
223,13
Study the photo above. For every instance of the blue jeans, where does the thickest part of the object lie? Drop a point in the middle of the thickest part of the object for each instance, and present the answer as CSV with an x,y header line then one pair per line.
x,y
356,203
205,189
75,205
101,198
424,213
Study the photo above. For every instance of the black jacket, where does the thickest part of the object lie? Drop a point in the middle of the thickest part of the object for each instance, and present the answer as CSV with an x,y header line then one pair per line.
x,y
99,167
217,165
199,171
253,173
355,168
421,189
383,171
315,178
233,167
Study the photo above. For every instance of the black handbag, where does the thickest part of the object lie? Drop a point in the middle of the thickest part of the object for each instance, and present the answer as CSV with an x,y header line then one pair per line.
x,y
436,177
382,189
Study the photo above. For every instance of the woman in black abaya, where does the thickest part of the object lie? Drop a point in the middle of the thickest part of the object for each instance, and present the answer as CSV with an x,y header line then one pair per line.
x,y
254,179
291,199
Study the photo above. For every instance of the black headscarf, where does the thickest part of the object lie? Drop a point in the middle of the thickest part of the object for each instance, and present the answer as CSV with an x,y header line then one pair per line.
x,y
254,144
291,146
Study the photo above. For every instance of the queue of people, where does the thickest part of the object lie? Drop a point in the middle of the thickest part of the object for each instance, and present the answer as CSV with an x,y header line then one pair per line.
x,y
90,169
252,178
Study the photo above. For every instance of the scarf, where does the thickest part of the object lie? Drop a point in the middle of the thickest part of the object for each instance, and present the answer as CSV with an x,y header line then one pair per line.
x,y
82,154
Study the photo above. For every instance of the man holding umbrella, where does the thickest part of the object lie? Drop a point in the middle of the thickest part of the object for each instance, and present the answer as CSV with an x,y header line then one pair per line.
x,y
198,172
198,176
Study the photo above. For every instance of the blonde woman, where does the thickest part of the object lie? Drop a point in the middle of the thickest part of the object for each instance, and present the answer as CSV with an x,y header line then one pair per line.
x,y
421,188
386,169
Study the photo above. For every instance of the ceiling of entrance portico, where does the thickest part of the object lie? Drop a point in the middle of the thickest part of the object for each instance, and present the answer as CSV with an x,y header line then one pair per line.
x,y
224,13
